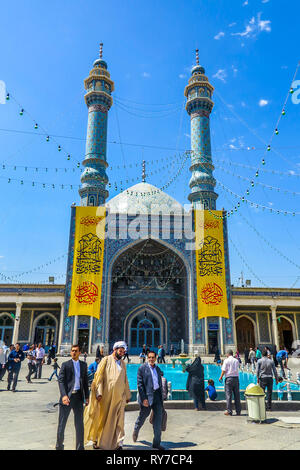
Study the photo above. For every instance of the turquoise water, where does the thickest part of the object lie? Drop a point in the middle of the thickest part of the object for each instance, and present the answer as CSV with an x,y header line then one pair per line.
x,y
178,378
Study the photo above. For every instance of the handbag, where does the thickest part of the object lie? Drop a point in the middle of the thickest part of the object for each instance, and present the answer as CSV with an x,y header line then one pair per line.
x,y
163,420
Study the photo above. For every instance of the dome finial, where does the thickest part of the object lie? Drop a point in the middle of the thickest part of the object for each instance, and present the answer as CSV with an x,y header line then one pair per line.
x,y
197,56
101,50
144,172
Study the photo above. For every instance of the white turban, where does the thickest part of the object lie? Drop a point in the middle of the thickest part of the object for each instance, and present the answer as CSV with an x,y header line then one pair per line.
x,y
120,344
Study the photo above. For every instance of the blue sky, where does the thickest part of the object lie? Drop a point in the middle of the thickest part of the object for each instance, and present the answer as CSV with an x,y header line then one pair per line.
x,y
249,50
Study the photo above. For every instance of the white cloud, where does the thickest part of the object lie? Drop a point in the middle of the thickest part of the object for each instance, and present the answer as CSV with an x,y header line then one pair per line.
x,y
263,102
265,1
219,35
292,172
221,75
146,75
181,75
1,256
245,3
243,104
231,24
254,27
234,69
188,136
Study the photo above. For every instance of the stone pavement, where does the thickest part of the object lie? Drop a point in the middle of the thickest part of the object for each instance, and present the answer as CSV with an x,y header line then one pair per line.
x,y
29,421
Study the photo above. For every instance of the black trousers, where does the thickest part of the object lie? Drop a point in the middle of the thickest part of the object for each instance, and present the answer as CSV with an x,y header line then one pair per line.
x,y
12,378
2,370
232,386
267,383
157,408
76,404
31,371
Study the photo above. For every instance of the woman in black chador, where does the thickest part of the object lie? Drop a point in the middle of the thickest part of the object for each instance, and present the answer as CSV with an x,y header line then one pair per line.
x,y
195,383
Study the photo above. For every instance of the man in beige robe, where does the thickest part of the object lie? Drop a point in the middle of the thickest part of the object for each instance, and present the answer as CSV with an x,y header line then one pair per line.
x,y
104,416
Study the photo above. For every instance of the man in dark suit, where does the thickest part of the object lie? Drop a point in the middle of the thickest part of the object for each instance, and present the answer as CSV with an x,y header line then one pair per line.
x,y
150,398
74,392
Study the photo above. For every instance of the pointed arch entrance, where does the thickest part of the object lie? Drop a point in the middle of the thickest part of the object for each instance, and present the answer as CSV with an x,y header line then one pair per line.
x,y
145,325
245,334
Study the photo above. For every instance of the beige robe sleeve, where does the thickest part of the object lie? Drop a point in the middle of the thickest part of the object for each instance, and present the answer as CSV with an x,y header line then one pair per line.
x,y
127,389
99,379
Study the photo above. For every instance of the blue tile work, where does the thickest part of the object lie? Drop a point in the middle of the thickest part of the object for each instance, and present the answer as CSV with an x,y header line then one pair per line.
x,y
68,322
199,106
98,99
228,323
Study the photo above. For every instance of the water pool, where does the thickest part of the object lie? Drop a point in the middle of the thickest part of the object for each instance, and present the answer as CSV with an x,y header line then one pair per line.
x,y
179,378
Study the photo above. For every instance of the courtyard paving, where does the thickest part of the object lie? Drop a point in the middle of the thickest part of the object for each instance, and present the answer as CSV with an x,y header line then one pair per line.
x,y
29,421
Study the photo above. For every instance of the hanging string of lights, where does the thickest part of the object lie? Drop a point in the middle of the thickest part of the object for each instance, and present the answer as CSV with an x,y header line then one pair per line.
x,y
253,204
33,270
115,184
245,263
271,188
265,170
267,242
46,134
276,130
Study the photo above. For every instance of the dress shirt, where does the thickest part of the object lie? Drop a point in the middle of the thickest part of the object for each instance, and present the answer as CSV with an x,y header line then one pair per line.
x,y
40,353
231,367
154,377
118,363
76,365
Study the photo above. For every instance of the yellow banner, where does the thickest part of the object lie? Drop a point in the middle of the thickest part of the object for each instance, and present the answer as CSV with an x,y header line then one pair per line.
x,y
210,265
88,261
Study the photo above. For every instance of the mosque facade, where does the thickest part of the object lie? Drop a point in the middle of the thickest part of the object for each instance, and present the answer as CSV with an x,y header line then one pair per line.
x,y
149,291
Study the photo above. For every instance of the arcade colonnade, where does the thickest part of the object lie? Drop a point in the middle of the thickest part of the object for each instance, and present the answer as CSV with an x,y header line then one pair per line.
x,y
262,317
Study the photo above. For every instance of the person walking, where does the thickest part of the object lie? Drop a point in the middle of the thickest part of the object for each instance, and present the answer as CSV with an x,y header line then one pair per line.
x,y
74,392
282,358
55,367
126,354
252,356
16,356
265,371
230,369
104,417
161,354
195,383
40,358
171,350
258,354
150,397
31,362
2,362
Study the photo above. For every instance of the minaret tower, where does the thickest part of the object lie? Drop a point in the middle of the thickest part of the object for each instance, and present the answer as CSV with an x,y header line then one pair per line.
x,y
199,106
98,98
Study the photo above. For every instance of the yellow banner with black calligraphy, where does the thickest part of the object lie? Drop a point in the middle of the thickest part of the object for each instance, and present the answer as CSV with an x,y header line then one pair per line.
x,y
210,264
88,261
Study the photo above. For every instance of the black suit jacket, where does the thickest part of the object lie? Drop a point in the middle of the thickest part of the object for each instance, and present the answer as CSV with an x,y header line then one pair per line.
x,y
66,380
145,383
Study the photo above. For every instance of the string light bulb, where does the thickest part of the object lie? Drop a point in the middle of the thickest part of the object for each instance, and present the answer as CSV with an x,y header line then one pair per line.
x,y
7,97
36,126
47,138
21,112
276,131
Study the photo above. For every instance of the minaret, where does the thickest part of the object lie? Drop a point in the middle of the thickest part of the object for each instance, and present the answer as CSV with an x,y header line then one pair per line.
x,y
199,106
98,98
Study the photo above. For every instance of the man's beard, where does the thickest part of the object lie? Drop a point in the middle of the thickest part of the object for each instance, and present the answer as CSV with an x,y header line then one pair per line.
x,y
118,356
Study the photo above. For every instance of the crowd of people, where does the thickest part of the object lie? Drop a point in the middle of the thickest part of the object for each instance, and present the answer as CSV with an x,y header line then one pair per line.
x,y
11,359
98,394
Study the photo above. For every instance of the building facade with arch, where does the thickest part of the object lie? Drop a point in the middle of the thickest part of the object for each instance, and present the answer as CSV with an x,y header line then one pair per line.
x,y
149,293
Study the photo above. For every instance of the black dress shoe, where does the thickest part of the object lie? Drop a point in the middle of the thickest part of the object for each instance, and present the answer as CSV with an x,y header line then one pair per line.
x,y
135,436
159,447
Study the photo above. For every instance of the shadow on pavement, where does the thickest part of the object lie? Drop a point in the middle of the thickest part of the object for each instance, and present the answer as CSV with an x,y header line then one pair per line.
x,y
170,445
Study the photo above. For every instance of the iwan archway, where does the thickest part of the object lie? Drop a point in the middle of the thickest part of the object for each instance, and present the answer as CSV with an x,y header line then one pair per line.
x,y
148,302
